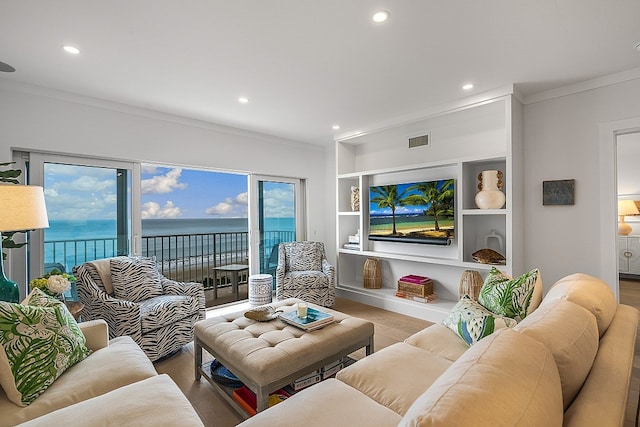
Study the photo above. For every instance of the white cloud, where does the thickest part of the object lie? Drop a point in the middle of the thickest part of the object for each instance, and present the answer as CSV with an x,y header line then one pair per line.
x,y
161,184
221,208
243,198
89,184
278,203
153,210
232,206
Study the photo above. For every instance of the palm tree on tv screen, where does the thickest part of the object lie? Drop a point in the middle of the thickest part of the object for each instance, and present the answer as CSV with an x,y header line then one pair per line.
x,y
388,197
438,195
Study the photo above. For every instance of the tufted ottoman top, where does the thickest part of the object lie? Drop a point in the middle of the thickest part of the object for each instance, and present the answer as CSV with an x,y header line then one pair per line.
x,y
269,351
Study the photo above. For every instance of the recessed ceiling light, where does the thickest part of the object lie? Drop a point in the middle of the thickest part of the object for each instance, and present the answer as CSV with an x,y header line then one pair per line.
x,y
380,16
638,46
467,86
71,49
243,100
336,127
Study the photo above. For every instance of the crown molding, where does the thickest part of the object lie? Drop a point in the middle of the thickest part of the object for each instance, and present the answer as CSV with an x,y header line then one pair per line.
x,y
598,82
458,105
19,87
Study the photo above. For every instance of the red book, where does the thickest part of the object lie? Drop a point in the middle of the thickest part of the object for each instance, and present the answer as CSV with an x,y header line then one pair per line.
x,y
418,280
247,399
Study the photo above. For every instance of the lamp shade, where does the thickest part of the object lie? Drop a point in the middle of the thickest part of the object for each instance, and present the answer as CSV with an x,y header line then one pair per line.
x,y
627,207
22,208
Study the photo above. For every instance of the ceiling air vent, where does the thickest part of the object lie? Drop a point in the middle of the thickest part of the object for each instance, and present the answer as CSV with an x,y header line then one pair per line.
x,y
419,141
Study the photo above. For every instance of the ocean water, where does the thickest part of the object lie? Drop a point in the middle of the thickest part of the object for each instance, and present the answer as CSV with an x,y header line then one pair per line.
x,y
73,242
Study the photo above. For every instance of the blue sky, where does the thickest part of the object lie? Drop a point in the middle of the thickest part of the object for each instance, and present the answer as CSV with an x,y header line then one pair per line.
x,y
169,192
80,192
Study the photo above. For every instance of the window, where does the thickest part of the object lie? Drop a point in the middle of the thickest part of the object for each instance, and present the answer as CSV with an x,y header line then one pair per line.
x,y
193,222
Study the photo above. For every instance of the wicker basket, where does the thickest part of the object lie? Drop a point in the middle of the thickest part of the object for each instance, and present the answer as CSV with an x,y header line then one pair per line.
x,y
418,289
371,274
470,284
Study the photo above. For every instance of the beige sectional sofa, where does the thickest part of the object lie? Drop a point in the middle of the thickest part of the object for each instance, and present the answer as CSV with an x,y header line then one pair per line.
x,y
567,363
115,385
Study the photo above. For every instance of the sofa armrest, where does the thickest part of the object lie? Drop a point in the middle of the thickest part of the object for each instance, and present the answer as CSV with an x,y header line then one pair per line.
x,y
191,289
172,287
607,385
96,332
329,270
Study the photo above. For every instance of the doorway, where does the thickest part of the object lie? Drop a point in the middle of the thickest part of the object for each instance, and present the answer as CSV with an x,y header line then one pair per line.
x,y
608,142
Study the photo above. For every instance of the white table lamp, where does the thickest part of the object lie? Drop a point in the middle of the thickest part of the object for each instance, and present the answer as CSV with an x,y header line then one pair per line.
x,y
625,207
22,208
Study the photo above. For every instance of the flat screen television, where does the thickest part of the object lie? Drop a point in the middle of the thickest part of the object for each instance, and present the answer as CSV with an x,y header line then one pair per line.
x,y
414,212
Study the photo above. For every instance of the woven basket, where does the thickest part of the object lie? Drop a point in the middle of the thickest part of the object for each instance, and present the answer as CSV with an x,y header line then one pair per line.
x,y
371,274
419,289
470,284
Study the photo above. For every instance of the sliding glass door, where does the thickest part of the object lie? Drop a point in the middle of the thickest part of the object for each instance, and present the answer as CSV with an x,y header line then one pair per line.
x,y
276,216
90,204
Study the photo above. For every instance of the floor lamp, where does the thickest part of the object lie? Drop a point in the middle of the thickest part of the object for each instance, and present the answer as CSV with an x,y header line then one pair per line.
x,y
625,207
22,208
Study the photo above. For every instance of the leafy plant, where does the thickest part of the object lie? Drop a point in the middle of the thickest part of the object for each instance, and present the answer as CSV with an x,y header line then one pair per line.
x,y
9,176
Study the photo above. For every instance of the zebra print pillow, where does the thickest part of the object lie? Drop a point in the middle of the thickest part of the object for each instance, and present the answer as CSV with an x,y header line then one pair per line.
x,y
135,279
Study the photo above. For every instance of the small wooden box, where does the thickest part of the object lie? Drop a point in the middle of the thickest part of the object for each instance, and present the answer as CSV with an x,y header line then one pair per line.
x,y
420,289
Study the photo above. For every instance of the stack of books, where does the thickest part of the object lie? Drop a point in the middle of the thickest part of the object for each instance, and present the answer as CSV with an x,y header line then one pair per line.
x,y
309,379
416,288
315,319
331,369
352,246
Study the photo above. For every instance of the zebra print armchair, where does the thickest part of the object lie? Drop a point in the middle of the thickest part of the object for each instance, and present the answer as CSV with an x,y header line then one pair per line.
x,y
304,272
134,299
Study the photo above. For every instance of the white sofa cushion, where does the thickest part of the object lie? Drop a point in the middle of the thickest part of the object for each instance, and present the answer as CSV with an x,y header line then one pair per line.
x,y
571,333
396,375
507,378
329,403
155,401
439,340
590,293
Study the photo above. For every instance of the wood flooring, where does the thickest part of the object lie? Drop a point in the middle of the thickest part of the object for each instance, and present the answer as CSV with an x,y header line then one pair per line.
x,y
630,295
390,328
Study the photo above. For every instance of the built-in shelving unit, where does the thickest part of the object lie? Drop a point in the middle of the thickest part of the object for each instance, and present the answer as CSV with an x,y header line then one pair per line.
x,y
463,142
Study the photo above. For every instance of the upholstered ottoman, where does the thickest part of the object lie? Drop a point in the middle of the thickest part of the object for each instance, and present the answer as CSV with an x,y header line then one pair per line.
x,y
266,356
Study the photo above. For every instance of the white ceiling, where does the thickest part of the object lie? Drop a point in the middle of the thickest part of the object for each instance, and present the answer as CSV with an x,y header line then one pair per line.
x,y
306,65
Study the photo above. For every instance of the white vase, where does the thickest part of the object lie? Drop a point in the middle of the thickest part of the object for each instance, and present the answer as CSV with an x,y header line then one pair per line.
x,y
490,196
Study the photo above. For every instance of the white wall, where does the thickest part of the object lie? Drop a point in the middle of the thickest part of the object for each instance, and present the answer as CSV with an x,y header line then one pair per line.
x,y
37,119
561,138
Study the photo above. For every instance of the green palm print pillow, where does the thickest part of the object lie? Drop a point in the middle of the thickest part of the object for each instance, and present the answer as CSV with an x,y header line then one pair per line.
x,y
39,340
506,296
472,322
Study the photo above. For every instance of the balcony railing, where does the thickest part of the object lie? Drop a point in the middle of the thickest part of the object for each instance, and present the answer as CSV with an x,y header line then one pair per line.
x,y
182,257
